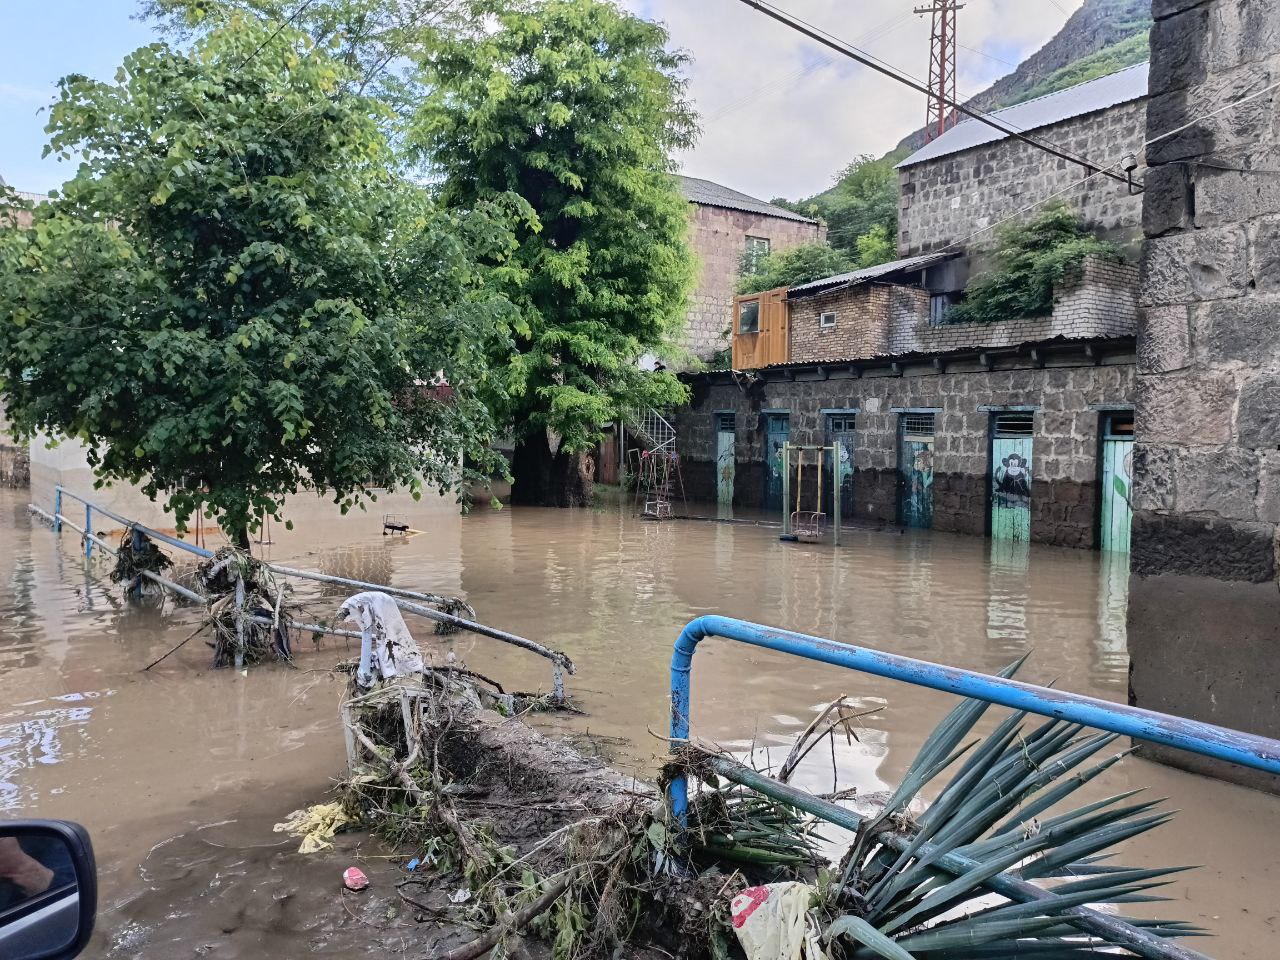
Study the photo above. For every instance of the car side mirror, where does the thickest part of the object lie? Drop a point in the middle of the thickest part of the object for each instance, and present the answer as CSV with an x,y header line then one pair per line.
x,y
48,889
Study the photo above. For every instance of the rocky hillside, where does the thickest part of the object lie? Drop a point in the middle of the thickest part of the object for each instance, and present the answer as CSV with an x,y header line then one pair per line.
x,y
1100,38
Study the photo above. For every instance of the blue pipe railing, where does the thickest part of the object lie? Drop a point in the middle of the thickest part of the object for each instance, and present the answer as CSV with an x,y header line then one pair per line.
x,y
1205,739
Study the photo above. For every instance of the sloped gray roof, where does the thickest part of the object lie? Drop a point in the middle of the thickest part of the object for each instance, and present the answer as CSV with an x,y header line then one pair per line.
x,y
1122,86
710,194
854,277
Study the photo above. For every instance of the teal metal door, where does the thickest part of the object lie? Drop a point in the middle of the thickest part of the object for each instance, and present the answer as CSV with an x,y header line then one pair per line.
x,y
1011,439
1117,481
724,458
777,432
838,476
915,469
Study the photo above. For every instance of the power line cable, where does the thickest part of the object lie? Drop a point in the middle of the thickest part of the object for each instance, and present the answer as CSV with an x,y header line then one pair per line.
x,y
275,33
877,32
880,66
1116,163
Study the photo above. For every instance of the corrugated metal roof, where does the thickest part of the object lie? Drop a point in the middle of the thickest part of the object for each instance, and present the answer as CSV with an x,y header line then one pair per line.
x,y
710,194
854,277
1121,87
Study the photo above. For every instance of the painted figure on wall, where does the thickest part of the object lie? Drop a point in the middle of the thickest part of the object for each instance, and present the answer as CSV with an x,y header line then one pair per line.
x,y
918,504
1013,481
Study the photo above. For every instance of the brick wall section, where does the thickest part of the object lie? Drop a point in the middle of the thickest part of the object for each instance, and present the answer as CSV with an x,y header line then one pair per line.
x,y
947,199
1064,448
884,320
719,238
1204,610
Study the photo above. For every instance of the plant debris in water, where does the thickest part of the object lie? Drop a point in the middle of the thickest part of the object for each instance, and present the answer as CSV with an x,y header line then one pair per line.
x,y
520,837
250,618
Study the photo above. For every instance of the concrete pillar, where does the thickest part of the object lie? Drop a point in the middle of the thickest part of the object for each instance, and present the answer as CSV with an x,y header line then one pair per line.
x,y
1204,607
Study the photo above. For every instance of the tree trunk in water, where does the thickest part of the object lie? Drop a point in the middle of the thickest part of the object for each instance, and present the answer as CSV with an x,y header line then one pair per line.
x,y
546,479
240,539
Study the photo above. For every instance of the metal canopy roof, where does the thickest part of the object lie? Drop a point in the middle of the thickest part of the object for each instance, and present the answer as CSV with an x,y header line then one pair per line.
x,y
854,277
710,194
1123,86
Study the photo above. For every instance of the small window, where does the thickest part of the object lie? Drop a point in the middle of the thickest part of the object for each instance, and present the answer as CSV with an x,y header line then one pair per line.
x,y
749,316
1119,426
757,249
1015,424
725,422
937,308
840,423
827,320
919,425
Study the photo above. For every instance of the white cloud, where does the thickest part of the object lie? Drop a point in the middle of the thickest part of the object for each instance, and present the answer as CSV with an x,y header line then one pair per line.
x,y
781,114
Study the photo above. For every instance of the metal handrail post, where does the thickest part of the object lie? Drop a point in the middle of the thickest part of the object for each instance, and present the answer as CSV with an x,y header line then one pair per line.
x,y
1206,739
786,487
57,510
88,527
835,491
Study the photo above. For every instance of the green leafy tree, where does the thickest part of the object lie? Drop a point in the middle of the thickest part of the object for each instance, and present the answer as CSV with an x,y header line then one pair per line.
x,y
810,261
576,107
235,298
875,247
1029,258
865,197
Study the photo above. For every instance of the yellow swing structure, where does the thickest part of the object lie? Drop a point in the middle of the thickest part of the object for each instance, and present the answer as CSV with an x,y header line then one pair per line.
x,y
807,526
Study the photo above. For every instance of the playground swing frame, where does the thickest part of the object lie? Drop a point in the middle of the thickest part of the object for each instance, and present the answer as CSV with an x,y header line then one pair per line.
x,y
808,526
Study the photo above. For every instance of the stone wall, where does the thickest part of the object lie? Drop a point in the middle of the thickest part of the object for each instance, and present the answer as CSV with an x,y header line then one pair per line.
x,y
947,199
885,320
1067,400
719,239
1204,614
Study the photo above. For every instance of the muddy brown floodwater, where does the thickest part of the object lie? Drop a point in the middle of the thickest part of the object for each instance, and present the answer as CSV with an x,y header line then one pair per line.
x,y
179,773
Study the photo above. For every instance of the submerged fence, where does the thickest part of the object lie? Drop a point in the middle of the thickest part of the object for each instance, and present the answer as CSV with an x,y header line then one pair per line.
x,y
410,601
1204,739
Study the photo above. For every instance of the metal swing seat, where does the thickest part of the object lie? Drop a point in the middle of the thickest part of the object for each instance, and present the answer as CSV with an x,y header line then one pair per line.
x,y
808,526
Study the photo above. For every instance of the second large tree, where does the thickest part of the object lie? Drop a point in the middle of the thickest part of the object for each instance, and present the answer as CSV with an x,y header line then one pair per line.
x,y
577,107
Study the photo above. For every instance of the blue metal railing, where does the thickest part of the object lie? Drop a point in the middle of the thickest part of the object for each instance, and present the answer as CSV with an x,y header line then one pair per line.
x,y
1205,739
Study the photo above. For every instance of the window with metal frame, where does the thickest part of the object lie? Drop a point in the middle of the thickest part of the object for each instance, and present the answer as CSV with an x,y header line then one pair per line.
x,y
917,424
726,422
749,316
827,319
1015,423
757,249
840,422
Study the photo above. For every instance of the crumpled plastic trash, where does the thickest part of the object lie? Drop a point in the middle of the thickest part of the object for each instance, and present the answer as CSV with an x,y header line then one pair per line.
x,y
315,825
353,878
387,649
773,923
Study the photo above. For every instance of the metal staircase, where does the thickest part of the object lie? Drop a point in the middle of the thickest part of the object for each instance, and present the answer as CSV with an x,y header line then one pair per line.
x,y
654,429
657,468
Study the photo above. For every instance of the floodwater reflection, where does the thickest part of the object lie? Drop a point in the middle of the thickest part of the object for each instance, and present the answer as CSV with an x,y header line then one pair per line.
x,y
166,766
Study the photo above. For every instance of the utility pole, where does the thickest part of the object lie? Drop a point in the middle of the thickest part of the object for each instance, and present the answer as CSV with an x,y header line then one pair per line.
x,y
942,67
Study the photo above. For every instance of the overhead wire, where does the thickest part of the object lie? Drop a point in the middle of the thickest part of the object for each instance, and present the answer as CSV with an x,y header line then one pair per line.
x,y
853,52
278,30
1231,105
879,31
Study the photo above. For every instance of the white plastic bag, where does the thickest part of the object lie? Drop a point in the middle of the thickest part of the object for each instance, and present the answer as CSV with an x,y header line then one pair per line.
x,y
772,922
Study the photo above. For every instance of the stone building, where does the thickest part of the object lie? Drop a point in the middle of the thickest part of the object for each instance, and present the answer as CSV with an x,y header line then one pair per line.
x,y
922,418
974,176
1204,608
15,458
726,226
1021,429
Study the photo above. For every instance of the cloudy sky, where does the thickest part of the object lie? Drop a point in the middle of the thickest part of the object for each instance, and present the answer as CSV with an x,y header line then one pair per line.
x,y
780,114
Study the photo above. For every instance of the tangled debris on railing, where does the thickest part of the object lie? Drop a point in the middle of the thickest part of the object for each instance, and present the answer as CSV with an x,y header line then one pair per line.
x,y
247,594
522,837
135,554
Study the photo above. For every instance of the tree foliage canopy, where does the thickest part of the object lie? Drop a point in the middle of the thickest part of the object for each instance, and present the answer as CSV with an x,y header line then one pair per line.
x,y
1030,257
789,268
575,106
234,298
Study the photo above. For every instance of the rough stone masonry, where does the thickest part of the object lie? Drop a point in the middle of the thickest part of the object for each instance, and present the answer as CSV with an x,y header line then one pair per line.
x,y
1204,610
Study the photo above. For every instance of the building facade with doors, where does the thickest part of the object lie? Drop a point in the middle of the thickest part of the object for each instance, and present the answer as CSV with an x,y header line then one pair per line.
x,y
1020,429
726,228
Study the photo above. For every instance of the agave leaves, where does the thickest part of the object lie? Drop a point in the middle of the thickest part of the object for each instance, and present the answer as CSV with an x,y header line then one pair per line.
x,y
999,812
